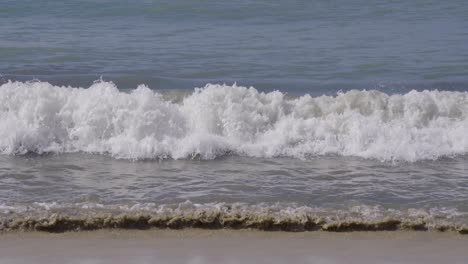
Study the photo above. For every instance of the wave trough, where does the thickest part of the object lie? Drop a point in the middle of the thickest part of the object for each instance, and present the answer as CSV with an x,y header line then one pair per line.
x,y
37,117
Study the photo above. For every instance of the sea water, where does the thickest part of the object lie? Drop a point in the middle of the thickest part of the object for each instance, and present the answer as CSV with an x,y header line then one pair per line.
x,y
285,115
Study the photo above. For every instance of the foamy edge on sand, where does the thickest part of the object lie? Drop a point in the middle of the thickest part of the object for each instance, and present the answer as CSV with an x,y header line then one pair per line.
x,y
53,217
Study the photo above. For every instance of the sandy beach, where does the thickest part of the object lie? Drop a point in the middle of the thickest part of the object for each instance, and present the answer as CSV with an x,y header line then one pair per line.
x,y
242,246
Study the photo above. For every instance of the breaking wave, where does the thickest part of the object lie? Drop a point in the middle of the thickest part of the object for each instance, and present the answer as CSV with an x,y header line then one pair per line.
x,y
37,117
53,217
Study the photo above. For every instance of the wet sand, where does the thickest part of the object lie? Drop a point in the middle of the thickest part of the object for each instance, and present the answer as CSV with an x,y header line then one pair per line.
x,y
228,246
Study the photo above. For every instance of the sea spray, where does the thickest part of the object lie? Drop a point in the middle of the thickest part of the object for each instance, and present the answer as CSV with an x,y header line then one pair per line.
x,y
217,120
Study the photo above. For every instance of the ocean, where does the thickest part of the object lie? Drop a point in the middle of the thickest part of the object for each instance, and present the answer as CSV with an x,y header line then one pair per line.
x,y
271,115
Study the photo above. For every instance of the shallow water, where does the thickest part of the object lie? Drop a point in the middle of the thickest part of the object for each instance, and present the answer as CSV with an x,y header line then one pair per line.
x,y
330,181
329,191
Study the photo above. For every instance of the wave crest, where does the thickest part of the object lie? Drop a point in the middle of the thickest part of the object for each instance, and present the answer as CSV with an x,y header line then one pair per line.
x,y
219,119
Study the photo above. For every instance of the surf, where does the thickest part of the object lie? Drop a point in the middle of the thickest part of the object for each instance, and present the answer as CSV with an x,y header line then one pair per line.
x,y
217,120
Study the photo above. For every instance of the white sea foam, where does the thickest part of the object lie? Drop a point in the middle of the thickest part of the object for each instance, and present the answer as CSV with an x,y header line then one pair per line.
x,y
219,119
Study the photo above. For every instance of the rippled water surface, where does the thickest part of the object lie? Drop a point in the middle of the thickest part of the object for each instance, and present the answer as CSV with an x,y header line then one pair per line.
x,y
317,46
326,181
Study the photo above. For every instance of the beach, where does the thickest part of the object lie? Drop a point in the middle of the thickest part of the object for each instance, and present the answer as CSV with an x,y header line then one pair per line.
x,y
229,246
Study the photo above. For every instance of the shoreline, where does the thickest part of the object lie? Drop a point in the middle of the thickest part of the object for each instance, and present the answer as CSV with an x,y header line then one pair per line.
x,y
232,246
225,219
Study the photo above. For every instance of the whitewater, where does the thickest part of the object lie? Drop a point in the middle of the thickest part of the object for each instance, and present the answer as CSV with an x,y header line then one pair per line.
x,y
219,120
